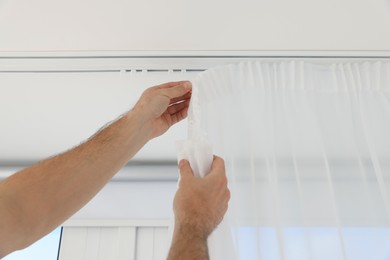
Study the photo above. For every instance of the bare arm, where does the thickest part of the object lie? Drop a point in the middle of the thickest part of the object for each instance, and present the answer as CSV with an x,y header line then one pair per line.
x,y
37,199
199,206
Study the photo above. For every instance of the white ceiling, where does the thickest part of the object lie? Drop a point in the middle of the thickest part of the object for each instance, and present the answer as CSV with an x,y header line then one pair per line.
x,y
98,25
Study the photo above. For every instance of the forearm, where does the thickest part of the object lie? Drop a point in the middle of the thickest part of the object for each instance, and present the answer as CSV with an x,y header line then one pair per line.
x,y
53,190
189,244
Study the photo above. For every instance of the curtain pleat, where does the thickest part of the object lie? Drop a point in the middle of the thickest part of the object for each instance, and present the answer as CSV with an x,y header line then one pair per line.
x,y
307,152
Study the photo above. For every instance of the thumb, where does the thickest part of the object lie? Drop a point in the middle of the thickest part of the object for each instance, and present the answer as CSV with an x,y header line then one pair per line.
x,y
185,169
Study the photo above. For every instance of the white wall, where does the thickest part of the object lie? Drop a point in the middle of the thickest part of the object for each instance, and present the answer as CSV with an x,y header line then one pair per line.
x,y
131,200
42,114
95,25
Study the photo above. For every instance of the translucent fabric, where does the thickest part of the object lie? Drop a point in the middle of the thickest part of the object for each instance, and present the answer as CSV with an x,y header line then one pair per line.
x,y
307,152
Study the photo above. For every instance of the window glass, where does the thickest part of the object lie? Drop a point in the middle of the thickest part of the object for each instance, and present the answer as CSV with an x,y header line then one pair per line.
x,y
320,243
45,248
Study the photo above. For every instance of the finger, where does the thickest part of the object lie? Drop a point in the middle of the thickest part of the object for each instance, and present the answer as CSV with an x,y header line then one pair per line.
x,y
177,91
218,165
172,84
217,173
173,109
185,169
182,98
179,115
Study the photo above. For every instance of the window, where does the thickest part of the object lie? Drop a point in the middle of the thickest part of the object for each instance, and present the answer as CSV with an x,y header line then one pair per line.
x,y
360,243
46,248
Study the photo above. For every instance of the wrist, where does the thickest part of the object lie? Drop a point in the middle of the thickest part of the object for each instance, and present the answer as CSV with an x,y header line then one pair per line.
x,y
188,244
191,231
142,123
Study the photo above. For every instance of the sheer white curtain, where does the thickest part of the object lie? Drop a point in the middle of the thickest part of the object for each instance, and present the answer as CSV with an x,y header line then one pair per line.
x,y
307,150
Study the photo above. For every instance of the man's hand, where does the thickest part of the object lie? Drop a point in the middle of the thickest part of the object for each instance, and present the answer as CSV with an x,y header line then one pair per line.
x,y
199,206
201,203
37,199
164,105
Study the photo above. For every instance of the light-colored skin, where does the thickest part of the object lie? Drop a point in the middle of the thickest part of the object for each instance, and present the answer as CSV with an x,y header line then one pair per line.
x,y
199,205
37,199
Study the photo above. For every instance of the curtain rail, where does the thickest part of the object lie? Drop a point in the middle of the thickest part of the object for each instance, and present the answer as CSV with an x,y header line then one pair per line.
x,y
106,71
150,64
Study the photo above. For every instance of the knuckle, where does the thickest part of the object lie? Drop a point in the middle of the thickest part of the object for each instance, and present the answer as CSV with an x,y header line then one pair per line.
x,y
228,194
223,180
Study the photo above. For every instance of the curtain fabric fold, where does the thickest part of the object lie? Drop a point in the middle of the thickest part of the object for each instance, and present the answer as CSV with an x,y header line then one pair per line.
x,y
307,152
